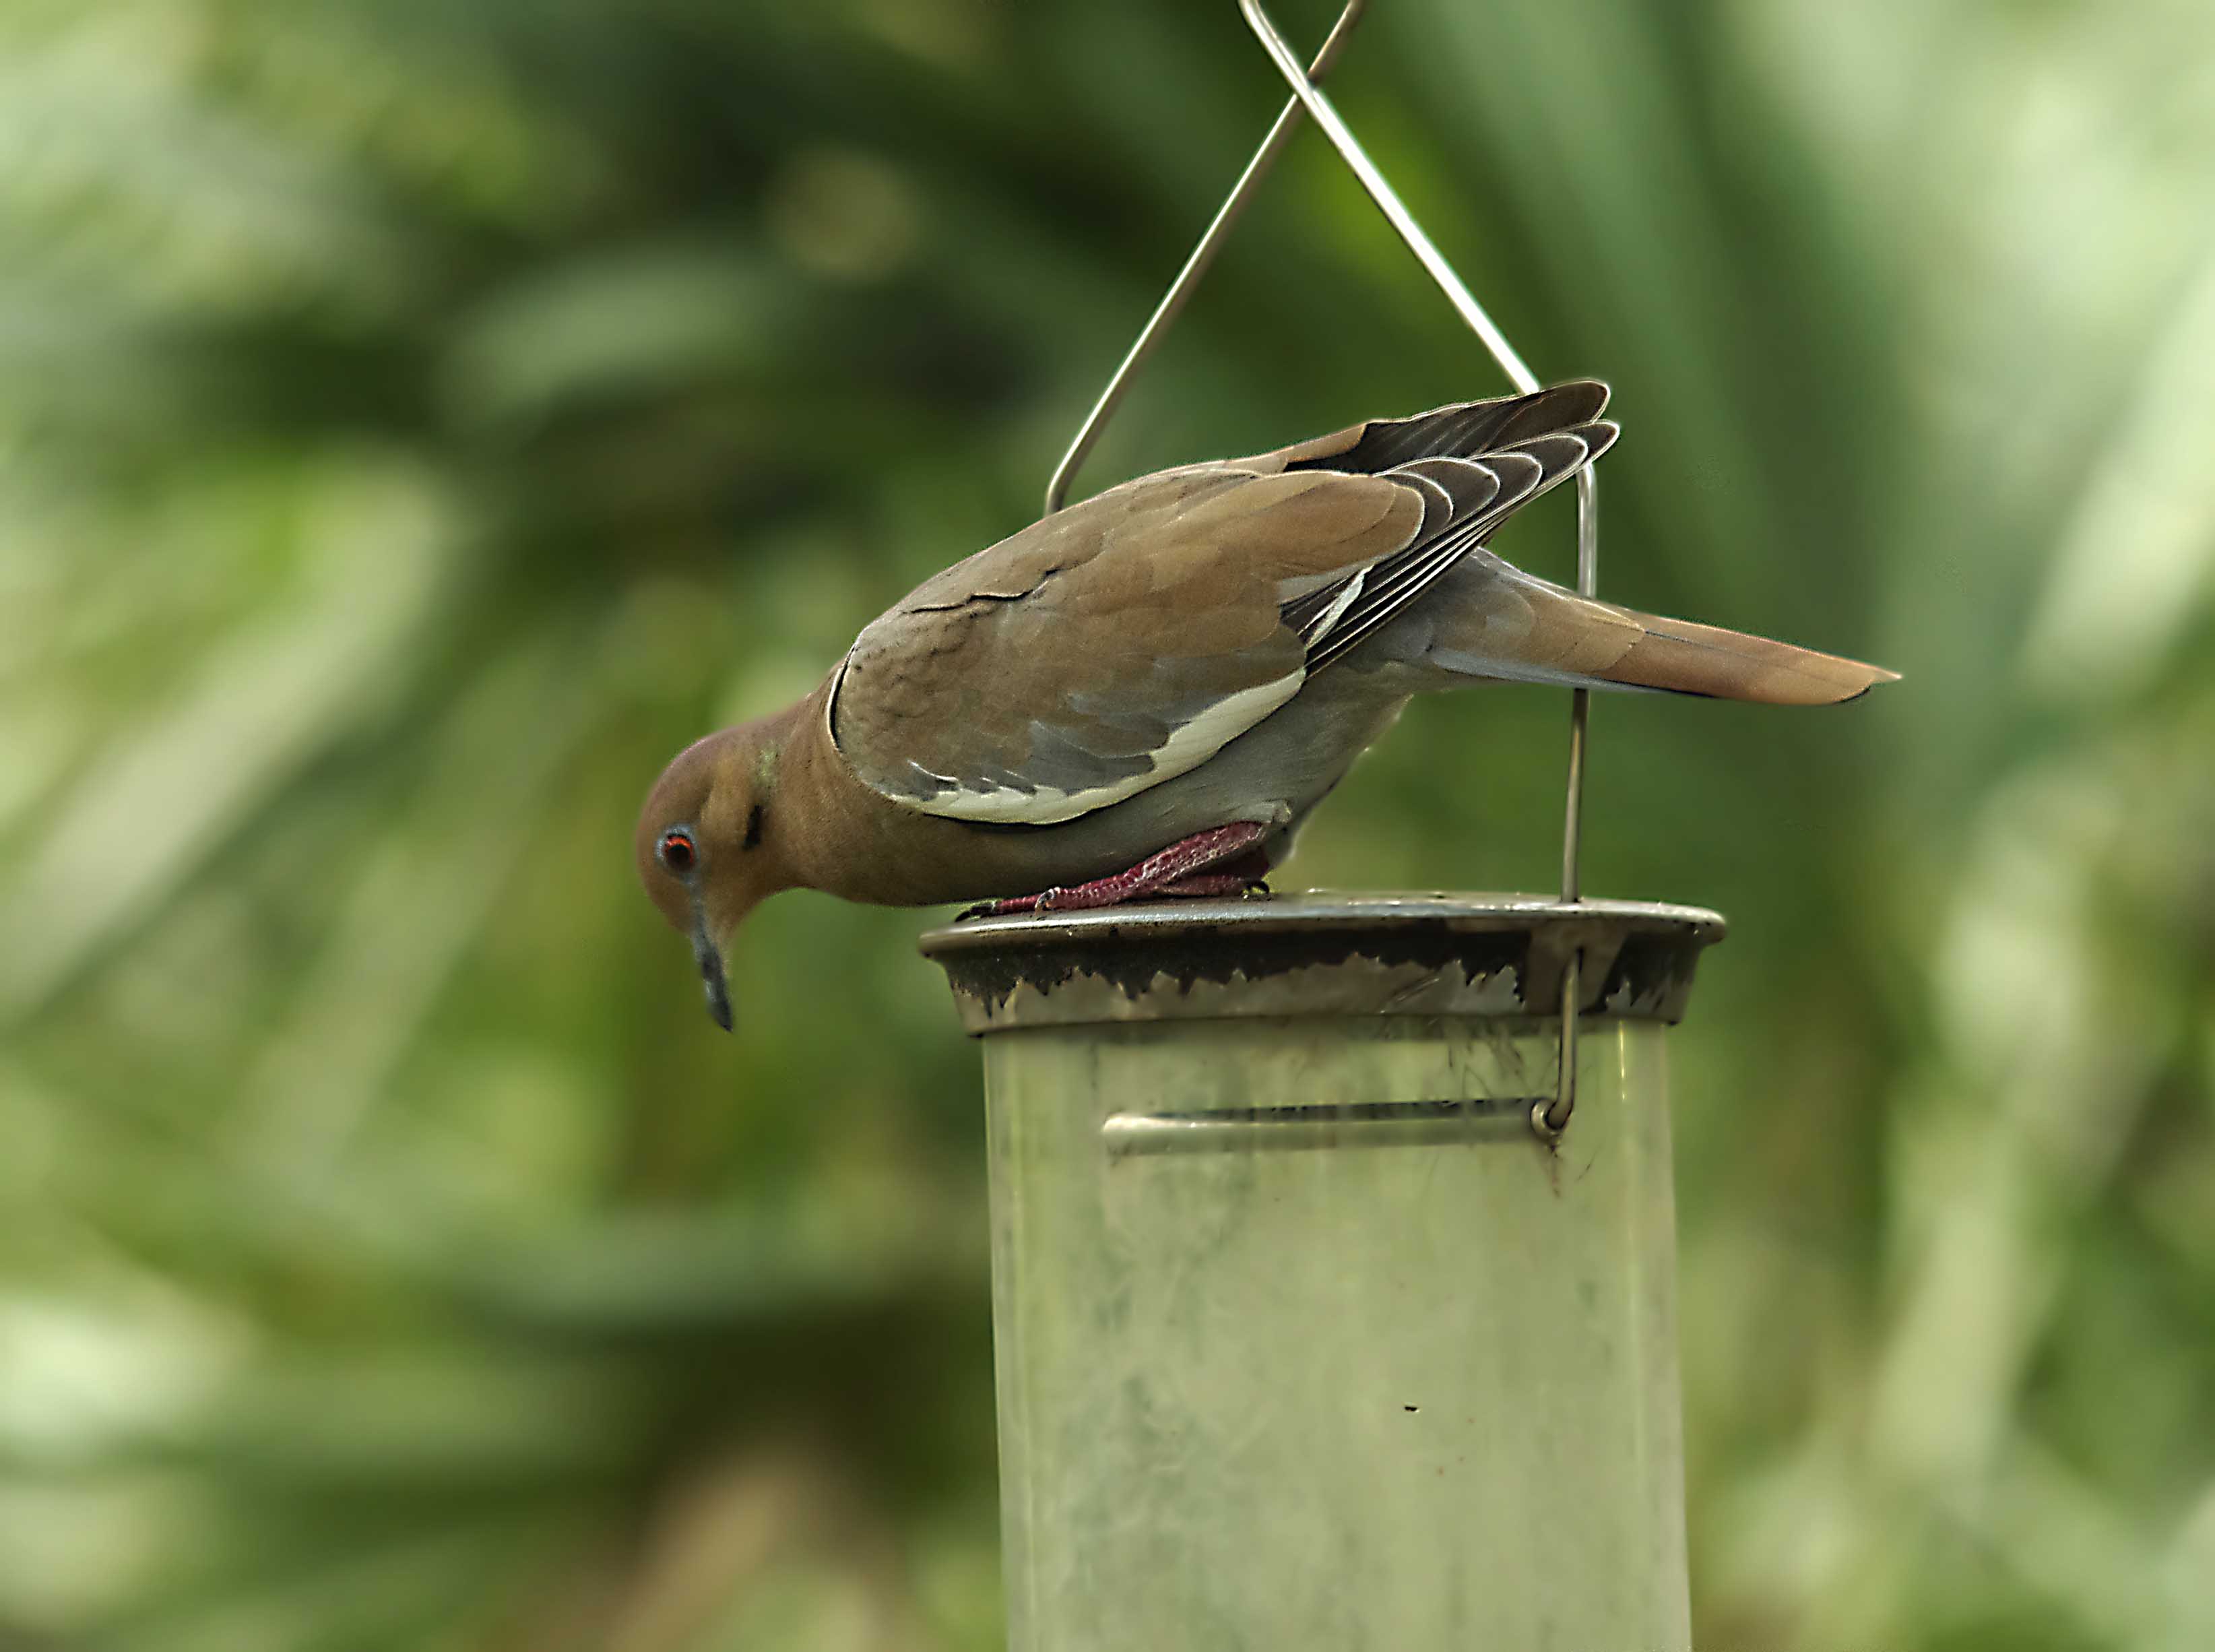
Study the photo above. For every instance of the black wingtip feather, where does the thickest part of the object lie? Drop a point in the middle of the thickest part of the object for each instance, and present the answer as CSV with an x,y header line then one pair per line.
x,y
1561,438
1469,429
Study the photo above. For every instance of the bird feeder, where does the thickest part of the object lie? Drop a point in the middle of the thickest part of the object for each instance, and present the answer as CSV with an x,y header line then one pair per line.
x,y
1305,1338
1332,1244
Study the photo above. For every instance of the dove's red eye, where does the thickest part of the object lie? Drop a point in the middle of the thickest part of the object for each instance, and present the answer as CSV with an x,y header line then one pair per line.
x,y
676,851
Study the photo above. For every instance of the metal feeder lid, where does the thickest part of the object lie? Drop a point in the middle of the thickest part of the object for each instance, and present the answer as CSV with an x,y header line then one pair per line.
x,y
1416,953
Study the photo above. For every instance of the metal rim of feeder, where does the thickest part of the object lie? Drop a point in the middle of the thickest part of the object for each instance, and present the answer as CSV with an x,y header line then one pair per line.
x,y
1417,954
1416,958
1548,1116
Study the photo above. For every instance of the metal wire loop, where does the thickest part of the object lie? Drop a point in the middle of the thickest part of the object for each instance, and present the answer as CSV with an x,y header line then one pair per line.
x,y
1181,290
1547,1121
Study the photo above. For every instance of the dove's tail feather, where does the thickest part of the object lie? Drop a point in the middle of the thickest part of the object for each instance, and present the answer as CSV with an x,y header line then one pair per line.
x,y
1681,658
1488,619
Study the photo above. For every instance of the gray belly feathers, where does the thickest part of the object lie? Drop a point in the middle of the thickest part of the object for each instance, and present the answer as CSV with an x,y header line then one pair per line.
x,y
1272,774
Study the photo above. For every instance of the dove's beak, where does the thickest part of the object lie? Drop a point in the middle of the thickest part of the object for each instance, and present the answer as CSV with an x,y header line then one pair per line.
x,y
709,957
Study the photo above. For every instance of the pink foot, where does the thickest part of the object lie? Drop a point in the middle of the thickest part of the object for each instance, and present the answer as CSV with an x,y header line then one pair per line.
x,y
1211,886
1196,867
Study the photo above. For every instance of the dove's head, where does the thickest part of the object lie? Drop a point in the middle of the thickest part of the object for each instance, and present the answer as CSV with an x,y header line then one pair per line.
x,y
704,845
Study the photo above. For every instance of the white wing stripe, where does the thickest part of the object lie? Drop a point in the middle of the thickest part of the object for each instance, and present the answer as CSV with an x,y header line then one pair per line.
x,y
1321,626
1187,746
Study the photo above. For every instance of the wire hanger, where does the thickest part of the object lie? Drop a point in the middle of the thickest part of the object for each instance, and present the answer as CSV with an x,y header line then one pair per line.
x,y
1549,1117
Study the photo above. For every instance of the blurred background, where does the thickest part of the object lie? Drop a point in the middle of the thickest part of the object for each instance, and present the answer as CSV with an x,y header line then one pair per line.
x,y
417,420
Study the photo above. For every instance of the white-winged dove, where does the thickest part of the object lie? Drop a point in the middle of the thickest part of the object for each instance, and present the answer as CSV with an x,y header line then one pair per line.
x,y
1144,694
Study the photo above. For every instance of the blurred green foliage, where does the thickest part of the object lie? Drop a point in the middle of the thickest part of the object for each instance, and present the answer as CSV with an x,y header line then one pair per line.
x,y
418,420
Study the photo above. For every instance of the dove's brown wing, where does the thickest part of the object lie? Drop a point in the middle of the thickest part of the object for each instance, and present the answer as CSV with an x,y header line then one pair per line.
x,y
1128,638
1109,648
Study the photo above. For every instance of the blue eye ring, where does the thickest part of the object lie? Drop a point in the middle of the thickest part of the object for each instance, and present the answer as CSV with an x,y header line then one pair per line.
x,y
678,852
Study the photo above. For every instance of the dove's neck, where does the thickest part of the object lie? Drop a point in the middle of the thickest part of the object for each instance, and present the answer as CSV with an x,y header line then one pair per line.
x,y
841,836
